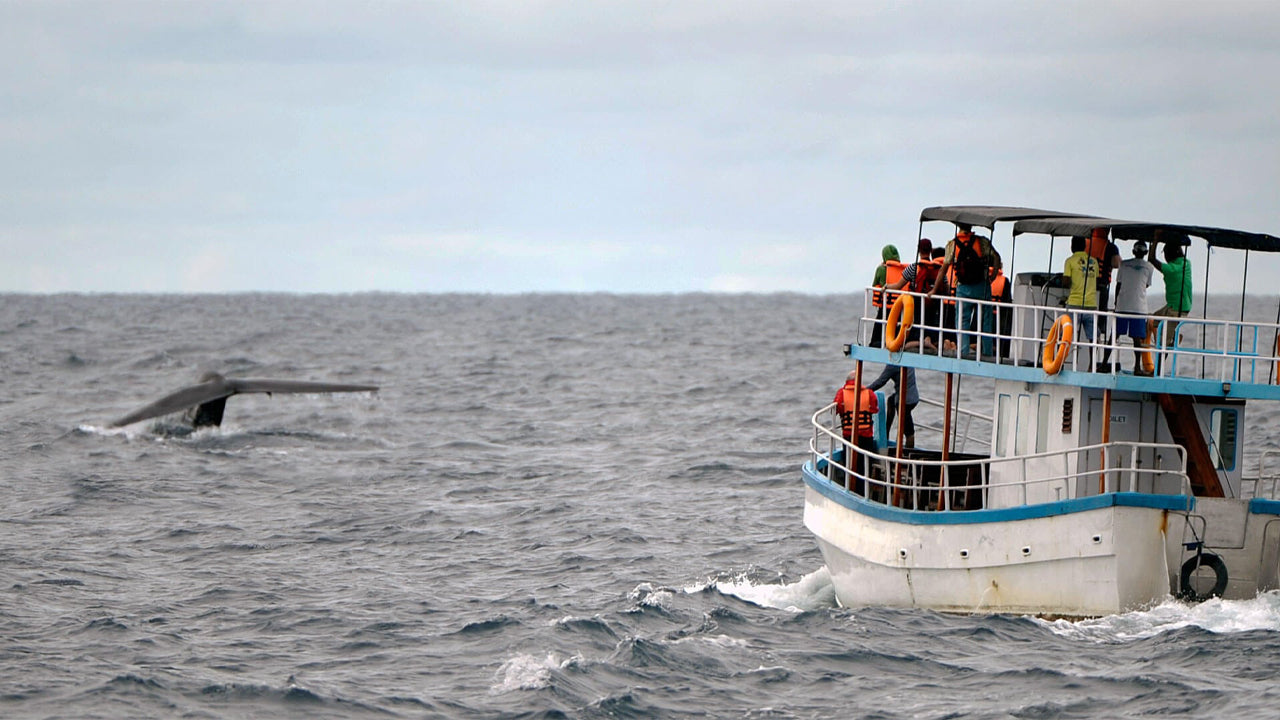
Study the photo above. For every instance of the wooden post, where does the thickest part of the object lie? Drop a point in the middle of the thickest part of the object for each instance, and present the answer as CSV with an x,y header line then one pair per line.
x,y
946,445
854,450
897,468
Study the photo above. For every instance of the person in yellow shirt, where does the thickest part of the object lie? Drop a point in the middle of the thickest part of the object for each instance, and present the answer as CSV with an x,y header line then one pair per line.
x,y
1081,269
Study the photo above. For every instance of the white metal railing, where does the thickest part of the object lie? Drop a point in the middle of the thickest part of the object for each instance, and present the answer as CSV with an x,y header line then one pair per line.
x,y
1266,483
1211,349
901,479
962,435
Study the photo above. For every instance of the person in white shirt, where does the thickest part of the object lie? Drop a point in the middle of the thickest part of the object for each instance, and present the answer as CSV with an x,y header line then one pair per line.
x,y
1132,280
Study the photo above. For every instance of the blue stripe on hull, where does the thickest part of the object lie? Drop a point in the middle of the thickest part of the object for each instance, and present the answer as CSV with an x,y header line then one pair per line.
x,y
1262,506
1022,512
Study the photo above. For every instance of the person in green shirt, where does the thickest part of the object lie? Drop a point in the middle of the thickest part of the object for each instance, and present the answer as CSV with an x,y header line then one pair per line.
x,y
1081,269
883,277
1176,270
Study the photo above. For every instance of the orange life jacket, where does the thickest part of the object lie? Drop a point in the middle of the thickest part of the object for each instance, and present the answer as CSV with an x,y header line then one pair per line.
x,y
1097,247
868,406
998,285
926,274
892,274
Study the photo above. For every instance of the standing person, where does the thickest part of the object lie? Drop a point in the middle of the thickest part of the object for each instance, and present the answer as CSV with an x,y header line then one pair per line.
x,y
1082,270
910,399
1132,281
1108,256
888,271
918,278
1176,270
971,256
868,405
945,279
1001,292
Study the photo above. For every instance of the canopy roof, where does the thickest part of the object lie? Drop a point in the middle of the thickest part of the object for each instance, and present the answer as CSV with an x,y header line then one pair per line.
x,y
988,215
1139,230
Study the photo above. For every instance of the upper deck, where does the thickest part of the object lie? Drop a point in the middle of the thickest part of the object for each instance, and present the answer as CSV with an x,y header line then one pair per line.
x,y
1201,356
1206,358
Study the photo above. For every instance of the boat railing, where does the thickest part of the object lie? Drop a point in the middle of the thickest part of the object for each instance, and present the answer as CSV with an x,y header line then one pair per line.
x,y
920,483
963,427
1187,347
1265,483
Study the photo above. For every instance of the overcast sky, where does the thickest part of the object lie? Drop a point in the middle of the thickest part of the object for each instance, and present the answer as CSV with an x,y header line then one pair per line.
x,y
602,146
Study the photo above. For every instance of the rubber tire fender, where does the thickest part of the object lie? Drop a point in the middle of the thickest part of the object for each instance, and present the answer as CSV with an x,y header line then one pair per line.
x,y
1209,560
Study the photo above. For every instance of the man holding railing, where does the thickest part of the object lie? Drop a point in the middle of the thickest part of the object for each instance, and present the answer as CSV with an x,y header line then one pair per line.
x,y
919,277
1176,270
910,398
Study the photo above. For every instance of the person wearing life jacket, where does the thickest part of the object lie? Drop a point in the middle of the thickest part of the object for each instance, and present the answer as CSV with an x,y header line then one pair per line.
x,y
971,257
889,271
946,341
1001,293
919,277
1101,248
868,406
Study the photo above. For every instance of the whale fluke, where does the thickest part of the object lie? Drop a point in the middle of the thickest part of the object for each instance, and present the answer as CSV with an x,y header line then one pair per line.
x,y
205,401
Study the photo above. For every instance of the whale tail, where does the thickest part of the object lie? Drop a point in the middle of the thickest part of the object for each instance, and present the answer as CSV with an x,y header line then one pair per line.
x,y
206,401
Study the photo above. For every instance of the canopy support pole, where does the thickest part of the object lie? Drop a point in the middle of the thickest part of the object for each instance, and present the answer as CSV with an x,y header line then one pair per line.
x,y
1204,309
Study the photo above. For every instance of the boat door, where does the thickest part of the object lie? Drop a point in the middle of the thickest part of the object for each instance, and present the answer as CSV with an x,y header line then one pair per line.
x,y
1126,425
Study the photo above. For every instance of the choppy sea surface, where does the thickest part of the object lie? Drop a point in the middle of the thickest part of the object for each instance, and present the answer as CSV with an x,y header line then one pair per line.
x,y
571,506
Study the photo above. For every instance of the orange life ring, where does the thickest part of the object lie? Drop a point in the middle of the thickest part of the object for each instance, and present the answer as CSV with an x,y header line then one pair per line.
x,y
901,317
1057,345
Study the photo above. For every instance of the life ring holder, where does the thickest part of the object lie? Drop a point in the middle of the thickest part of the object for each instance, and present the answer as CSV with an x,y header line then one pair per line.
x,y
1195,562
901,317
1057,345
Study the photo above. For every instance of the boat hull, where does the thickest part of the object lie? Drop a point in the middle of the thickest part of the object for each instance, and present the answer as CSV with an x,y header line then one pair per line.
x,y
1080,558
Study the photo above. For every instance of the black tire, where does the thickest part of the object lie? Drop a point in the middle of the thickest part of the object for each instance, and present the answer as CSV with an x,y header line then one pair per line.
x,y
1211,561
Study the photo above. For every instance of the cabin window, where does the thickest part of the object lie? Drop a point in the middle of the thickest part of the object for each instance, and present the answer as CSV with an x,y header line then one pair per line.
x,y
1024,427
1222,434
1042,424
1002,425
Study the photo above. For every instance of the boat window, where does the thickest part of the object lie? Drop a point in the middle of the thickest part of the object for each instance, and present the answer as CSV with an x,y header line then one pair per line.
x,y
1042,424
1002,424
1222,429
1024,429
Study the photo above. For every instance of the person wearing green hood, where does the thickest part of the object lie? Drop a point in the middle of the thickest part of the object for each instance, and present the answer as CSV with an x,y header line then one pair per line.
x,y
887,273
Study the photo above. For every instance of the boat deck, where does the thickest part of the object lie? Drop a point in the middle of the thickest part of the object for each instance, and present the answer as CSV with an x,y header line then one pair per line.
x,y
1207,357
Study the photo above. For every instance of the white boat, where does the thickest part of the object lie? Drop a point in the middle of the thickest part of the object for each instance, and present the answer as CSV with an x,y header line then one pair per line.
x,y
1091,490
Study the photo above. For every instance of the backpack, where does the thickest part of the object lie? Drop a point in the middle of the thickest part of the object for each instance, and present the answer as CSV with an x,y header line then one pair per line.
x,y
971,266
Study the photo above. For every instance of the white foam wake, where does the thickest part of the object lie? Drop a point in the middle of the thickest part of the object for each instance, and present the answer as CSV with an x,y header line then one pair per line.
x,y
811,592
1216,615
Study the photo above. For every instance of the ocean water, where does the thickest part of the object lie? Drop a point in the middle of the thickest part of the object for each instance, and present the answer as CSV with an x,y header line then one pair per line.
x,y
572,506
